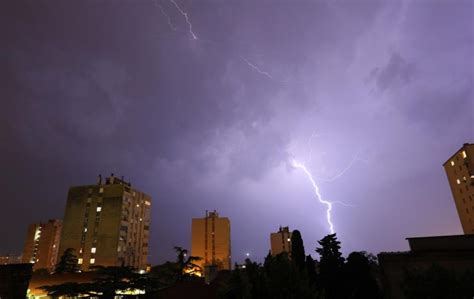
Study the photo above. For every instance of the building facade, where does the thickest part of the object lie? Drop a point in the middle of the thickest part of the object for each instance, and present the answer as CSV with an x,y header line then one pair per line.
x,y
211,241
460,172
42,244
281,241
107,224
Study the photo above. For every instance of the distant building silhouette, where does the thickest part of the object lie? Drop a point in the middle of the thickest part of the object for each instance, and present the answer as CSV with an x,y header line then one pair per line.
x,y
455,253
460,171
107,224
281,241
42,244
211,240
9,259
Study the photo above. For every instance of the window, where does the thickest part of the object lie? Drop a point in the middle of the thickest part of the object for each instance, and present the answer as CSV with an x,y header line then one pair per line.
x,y
452,163
92,261
101,190
85,230
458,181
93,250
464,155
467,210
100,208
79,261
464,200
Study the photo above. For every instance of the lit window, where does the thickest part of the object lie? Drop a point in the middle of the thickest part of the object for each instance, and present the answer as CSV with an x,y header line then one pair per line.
x,y
85,230
464,155
141,219
92,260
101,190
80,250
99,209
289,239
93,250
458,181
138,205
79,261
464,178
452,163
147,203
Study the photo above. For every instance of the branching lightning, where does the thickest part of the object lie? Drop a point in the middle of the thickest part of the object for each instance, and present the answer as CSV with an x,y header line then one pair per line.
x,y
186,17
256,68
343,171
301,166
168,18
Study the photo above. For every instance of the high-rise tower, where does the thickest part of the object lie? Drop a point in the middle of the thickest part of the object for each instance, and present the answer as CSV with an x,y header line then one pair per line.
x,y
107,224
42,244
281,241
211,240
460,171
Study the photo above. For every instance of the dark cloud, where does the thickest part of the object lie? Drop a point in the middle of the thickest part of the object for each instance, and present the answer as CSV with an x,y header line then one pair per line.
x,y
92,87
397,72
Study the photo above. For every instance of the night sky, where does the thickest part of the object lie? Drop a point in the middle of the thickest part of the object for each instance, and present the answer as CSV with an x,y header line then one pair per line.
x,y
372,96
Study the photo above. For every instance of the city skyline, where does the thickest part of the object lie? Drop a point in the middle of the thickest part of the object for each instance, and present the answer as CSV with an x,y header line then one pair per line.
x,y
209,112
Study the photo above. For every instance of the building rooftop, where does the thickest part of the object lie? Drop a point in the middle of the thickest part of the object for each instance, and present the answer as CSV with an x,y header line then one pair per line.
x,y
452,156
442,243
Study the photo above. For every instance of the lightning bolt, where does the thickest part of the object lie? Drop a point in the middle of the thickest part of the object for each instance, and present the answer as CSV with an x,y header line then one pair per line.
x,y
256,68
163,12
343,171
301,166
186,17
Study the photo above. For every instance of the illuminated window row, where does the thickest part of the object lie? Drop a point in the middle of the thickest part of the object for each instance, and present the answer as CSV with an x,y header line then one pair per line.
x,y
80,261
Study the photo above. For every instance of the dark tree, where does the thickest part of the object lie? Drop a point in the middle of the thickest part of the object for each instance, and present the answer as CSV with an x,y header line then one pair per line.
x,y
111,279
67,262
311,270
238,286
330,266
68,289
185,264
359,279
297,250
437,282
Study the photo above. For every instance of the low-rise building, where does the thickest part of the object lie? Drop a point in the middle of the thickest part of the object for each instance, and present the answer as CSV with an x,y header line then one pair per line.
x,y
454,253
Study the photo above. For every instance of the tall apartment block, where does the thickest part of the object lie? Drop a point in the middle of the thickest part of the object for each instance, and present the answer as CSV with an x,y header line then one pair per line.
x,y
460,171
211,241
281,241
107,224
42,244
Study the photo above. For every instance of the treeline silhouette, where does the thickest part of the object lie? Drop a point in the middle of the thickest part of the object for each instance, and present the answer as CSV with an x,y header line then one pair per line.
x,y
300,276
294,275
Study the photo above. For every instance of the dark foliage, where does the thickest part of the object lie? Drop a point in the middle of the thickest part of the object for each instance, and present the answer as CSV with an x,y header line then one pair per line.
x,y
437,282
358,277
297,250
68,262
330,267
